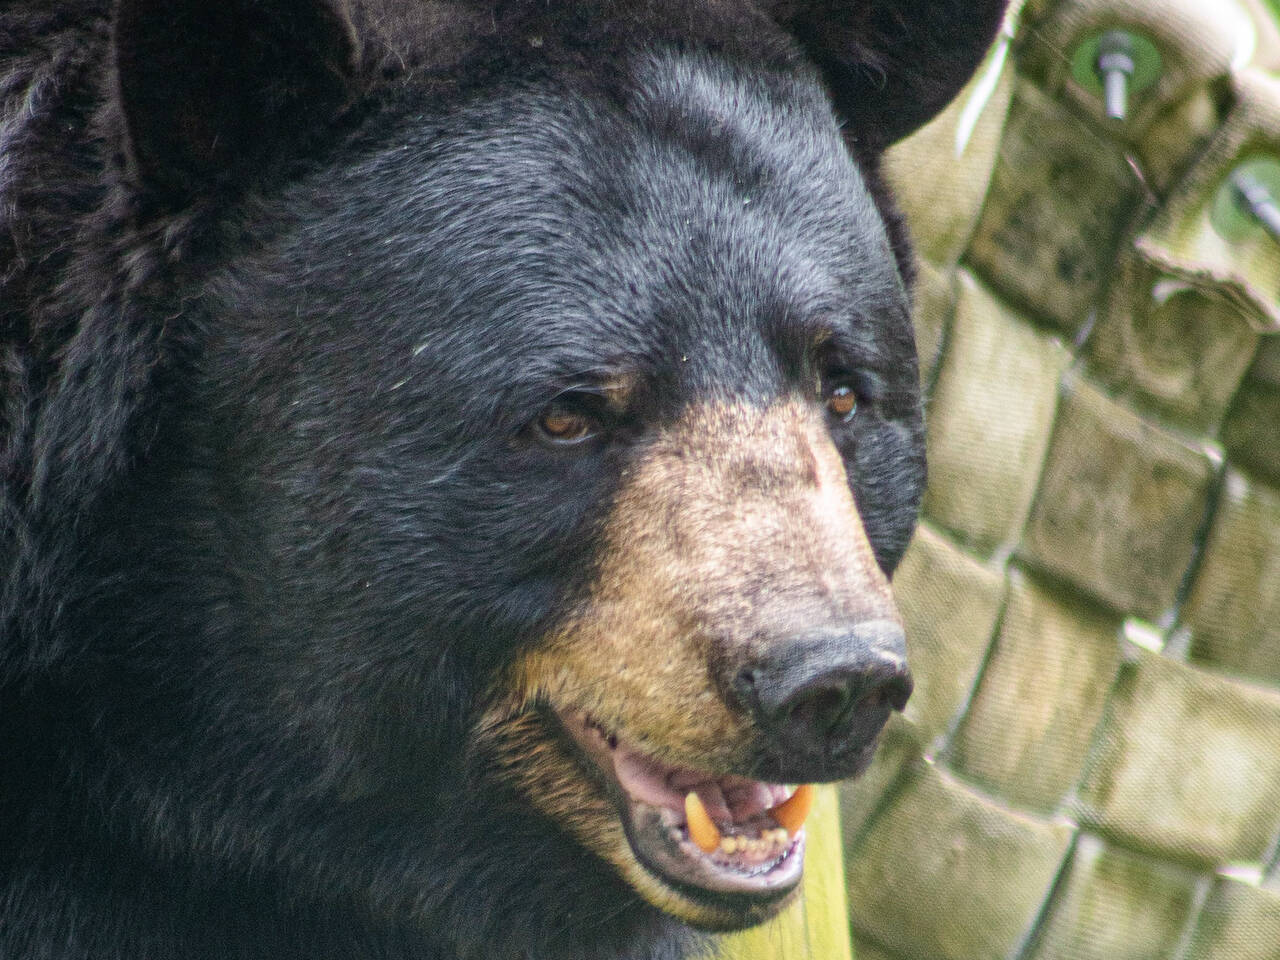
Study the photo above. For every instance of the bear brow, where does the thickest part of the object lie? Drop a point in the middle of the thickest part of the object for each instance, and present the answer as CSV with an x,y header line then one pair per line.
x,y
616,387
616,384
801,335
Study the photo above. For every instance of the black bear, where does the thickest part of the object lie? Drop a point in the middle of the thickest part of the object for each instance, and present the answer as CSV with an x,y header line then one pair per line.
x,y
453,455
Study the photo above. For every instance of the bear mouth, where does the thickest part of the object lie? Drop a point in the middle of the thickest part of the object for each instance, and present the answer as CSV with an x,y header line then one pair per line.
x,y
722,839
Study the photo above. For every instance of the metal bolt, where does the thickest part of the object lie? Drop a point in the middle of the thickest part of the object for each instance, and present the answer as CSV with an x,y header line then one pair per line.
x,y
1254,197
1116,67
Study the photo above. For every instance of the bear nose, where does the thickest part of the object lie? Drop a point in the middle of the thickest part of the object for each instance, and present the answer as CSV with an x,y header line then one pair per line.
x,y
829,693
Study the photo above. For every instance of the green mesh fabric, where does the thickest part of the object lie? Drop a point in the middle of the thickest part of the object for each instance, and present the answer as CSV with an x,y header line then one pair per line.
x,y
1090,766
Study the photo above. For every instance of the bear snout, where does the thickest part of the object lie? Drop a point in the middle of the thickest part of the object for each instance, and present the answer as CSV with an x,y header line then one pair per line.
x,y
820,700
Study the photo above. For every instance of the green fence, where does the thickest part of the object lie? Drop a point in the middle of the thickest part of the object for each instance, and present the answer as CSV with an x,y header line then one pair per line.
x,y
1090,767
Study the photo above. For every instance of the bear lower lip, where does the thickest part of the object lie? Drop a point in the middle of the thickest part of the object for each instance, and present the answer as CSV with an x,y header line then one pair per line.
x,y
754,858
766,869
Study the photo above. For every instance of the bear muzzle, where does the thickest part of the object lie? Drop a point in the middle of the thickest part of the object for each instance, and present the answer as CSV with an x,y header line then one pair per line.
x,y
738,639
819,701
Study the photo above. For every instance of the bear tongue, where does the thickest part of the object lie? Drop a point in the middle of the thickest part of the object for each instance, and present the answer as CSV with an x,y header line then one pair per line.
x,y
727,799
651,781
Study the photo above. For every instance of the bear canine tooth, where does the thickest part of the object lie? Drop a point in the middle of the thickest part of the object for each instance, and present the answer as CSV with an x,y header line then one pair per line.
x,y
792,813
704,833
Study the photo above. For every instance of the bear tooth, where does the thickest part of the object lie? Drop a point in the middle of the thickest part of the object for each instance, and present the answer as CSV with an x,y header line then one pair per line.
x,y
792,813
704,833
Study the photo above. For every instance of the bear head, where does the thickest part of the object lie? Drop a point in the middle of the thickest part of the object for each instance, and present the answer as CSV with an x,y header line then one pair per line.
x,y
464,499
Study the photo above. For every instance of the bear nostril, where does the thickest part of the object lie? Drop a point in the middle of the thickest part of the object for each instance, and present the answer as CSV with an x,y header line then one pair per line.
x,y
818,710
897,691
827,704
828,691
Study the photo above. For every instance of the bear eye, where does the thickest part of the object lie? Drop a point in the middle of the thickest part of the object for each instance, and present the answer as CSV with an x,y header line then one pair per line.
x,y
566,422
842,402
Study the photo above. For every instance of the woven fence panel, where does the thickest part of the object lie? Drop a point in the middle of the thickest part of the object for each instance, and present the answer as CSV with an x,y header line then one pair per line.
x,y
1090,766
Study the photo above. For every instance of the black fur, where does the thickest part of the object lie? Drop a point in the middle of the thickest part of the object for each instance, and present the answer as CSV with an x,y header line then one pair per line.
x,y
283,287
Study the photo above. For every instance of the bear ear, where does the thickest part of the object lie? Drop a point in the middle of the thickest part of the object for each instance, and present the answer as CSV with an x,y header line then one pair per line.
x,y
212,91
892,65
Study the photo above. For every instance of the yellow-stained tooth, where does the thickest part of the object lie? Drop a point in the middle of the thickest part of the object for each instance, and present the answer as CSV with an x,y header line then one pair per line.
x,y
792,812
702,831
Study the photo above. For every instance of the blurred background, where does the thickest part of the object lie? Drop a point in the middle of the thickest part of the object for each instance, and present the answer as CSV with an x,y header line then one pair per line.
x,y
1090,766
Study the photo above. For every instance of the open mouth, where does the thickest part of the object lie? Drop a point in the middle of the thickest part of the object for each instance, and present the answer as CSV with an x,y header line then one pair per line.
x,y
724,838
